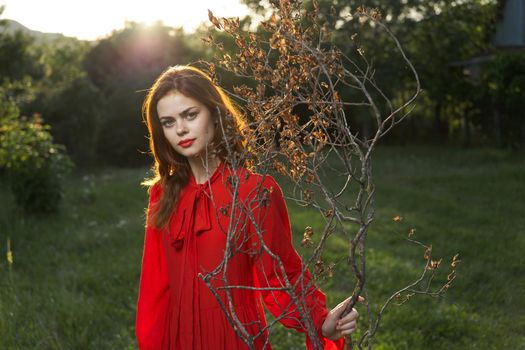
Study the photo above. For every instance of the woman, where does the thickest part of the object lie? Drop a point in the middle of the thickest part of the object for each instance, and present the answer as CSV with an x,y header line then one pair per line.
x,y
217,235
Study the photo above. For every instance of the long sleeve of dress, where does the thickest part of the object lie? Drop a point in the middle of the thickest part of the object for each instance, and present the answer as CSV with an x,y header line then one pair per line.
x,y
271,221
154,297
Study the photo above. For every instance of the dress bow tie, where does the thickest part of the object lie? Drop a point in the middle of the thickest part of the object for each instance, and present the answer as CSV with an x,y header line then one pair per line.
x,y
195,210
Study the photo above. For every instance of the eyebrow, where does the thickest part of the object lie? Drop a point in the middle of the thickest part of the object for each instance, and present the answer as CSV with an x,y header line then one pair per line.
x,y
182,114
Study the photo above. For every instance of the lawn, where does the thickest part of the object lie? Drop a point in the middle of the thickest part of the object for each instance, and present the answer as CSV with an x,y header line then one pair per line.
x,y
73,283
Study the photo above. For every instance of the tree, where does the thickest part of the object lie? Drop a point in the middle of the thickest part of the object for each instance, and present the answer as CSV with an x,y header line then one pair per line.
x,y
296,63
450,31
34,165
18,67
500,101
66,98
435,34
16,62
122,66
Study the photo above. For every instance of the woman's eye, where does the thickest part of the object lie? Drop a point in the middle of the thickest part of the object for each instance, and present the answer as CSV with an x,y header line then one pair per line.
x,y
192,115
167,123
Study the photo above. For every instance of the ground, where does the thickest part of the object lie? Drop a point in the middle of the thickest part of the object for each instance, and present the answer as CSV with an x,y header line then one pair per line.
x,y
74,280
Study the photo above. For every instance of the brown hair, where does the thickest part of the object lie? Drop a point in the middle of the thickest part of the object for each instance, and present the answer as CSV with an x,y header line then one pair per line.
x,y
171,170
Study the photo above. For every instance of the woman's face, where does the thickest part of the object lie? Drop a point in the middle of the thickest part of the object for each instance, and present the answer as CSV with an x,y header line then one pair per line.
x,y
187,124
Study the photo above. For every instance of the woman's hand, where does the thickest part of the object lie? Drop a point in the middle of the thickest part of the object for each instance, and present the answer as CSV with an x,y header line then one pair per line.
x,y
335,327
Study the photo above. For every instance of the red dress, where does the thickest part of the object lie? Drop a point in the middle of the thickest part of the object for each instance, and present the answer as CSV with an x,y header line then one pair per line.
x,y
176,310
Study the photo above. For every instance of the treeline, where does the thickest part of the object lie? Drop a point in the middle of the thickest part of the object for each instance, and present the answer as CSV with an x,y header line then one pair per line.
x,y
473,93
90,93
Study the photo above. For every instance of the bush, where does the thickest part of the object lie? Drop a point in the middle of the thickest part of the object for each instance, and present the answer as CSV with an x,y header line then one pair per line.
x,y
34,166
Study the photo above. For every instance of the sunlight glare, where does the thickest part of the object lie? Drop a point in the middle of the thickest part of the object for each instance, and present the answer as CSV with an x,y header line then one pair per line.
x,y
97,18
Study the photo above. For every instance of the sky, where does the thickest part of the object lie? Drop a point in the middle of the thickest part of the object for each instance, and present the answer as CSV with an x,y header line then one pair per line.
x,y
94,19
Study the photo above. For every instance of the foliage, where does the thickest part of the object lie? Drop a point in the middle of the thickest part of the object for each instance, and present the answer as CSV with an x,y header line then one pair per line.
x,y
449,33
90,93
65,97
35,166
437,35
16,61
18,67
45,76
122,66
502,96
76,114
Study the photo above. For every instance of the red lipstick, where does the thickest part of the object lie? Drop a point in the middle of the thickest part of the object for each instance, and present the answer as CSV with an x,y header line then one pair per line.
x,y
186,143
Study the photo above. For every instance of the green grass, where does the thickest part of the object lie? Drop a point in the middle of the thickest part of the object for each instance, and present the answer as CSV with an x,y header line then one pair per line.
x,y
73,284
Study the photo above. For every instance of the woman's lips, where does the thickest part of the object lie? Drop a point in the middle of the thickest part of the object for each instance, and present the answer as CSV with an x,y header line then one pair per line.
x,y
186,143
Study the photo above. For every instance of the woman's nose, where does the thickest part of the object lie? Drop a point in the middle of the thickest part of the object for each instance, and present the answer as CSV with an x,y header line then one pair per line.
x,y
181,128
